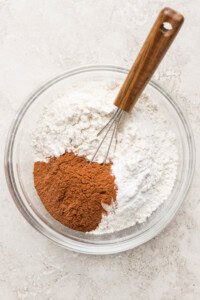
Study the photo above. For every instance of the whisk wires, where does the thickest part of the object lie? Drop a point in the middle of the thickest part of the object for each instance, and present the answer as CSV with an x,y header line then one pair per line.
x,y
114,121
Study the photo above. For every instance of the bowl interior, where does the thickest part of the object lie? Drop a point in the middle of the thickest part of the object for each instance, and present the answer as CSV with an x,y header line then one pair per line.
x,y
19,166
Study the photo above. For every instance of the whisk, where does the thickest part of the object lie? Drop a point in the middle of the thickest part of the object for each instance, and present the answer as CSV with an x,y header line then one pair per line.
x,y
156,45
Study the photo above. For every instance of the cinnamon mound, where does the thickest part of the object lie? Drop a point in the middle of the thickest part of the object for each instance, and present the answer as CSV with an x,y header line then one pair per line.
x,y
73,191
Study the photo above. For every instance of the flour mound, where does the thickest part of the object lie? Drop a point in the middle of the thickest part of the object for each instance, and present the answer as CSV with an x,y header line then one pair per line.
x,y
144,158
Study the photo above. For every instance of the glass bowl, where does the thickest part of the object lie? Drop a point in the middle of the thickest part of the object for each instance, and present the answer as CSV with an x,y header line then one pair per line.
x,y
19,167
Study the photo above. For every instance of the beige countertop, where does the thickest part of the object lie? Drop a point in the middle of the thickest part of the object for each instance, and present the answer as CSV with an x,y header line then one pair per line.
x,y
41,38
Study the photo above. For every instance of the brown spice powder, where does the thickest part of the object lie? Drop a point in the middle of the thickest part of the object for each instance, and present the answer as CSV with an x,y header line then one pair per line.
x,y
73,191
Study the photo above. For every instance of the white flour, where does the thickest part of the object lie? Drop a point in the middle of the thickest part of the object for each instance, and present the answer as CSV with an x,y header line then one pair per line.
x,y
144,161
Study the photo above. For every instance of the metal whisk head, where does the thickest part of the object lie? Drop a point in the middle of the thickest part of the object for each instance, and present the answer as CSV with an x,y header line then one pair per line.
x,y
113,122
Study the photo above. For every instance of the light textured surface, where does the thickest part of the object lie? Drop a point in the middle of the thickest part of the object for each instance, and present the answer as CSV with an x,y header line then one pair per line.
x,y
41,38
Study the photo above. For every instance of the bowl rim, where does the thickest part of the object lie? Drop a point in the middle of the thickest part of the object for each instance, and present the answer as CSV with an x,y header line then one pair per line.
x,y
37,223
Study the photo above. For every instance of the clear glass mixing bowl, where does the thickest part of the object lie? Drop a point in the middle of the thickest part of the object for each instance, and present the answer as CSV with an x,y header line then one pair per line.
x,y
19,166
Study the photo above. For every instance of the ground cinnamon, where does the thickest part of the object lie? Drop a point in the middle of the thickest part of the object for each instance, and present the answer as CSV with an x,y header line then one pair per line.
x,y
73,191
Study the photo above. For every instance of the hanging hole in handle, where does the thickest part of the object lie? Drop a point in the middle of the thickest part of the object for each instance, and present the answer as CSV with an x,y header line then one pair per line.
x,y
165,27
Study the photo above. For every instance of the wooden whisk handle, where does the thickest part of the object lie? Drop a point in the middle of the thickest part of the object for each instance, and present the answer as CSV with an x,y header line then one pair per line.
x,y
151,54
